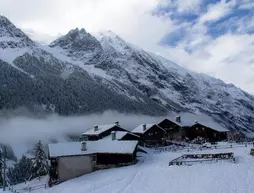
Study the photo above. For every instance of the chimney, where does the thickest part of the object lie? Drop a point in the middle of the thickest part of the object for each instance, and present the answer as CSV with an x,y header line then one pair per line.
x,y
195,121
113,135
178,119
96,128
83,146
144,127
117,123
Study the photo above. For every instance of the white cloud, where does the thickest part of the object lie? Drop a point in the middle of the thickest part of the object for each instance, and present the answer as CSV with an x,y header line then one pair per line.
x,y
217,11
229,57
41,37
246,4
188,5
130,19
182,6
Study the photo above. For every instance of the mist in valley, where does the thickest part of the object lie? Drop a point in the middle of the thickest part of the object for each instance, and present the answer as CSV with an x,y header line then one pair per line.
x,y
22,131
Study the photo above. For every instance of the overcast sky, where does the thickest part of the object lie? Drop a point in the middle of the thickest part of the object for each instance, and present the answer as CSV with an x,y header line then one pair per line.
x,y
210,36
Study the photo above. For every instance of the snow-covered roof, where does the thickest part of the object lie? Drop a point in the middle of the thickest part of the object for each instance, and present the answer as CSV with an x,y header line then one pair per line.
x,y
213,125
183,123
101,146
101,128
140,129
187,122
120,135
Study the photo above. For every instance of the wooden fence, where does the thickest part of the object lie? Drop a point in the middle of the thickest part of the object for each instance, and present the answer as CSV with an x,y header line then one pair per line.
x,y
191,147
27,189
188,159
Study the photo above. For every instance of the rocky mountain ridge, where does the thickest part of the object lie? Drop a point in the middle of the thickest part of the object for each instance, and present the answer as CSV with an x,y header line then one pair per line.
x,y
80,73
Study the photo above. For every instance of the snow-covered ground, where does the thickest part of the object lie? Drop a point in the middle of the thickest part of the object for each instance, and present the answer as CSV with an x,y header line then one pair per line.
x,y
153,175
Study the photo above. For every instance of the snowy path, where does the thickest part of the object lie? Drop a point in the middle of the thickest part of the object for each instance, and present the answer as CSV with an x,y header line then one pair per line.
x,y
153,175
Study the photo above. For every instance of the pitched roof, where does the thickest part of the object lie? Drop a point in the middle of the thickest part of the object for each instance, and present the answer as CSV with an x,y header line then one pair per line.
x,y
101,146
212,125
120,135
140,129
101,129
183,123
190,122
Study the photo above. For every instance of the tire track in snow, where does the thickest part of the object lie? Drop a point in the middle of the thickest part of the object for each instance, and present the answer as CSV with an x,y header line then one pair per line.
x,y
104,184
133,176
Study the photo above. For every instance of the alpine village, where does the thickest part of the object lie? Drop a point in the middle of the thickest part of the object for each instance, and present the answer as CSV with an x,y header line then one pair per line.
x,y
110,146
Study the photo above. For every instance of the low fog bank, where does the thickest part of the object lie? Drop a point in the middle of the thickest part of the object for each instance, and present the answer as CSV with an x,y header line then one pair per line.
x,y
29,129
26,128
23,131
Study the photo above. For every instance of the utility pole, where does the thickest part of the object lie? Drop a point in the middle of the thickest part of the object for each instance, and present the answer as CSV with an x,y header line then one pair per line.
x,y
4,173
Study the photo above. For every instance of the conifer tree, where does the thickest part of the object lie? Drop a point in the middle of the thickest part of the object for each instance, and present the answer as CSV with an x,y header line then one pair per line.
x,y
40,164
21,171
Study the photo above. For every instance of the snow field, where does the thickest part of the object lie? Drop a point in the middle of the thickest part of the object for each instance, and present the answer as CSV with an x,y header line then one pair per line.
x,y
153,175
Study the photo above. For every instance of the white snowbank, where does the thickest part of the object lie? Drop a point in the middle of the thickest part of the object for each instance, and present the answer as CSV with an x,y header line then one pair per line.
x,y
153,175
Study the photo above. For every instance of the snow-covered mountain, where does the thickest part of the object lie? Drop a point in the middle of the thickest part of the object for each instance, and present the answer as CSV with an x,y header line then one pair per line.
x,y
81,73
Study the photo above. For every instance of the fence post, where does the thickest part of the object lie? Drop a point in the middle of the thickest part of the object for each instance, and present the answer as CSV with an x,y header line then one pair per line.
x,y
30,189
45,186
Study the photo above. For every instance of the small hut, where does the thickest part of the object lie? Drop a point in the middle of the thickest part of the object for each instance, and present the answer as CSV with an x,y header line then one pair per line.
x,y
73,159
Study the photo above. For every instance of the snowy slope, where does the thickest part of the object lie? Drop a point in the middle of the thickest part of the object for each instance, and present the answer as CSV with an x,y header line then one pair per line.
x,y
153,175
58,79
80,73
184,90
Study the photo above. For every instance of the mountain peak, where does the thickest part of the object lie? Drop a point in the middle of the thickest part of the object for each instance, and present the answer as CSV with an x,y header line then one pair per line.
x,y
4,19
78,43
77,33
12,36
108,33
113,44
73,37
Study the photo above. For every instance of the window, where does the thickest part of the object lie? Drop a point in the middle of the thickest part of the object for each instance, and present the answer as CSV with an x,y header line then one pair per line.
x,y
94,158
